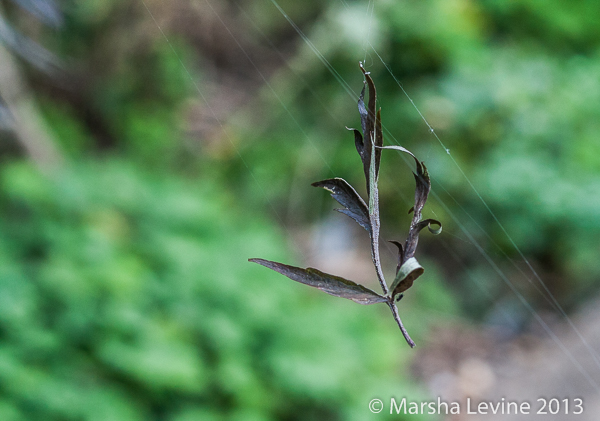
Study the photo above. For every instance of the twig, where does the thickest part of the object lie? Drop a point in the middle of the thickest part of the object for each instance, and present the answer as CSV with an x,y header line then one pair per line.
x,y
392,304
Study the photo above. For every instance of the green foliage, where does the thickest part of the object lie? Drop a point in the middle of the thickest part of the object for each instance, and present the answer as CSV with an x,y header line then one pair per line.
x,y
126,295
70,132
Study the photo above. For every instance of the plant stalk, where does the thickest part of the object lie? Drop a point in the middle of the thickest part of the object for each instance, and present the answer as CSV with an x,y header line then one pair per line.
x,y
394,309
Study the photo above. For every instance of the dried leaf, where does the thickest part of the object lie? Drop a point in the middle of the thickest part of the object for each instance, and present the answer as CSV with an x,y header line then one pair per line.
x,y
378,140
423,186
344,193
401,149
409,271
362,110
364,147
360,147
427,223
333,285
369,145
400,252
370,121
421,177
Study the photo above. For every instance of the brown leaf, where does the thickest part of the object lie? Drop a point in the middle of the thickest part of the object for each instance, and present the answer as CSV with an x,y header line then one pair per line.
x,y
401,149
378,140
363,151
344,193
423,186
370,121
400,252
427,223
331,284
409,271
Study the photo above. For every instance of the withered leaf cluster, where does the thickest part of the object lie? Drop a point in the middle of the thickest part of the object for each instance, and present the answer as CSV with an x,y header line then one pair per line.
x,y
369,145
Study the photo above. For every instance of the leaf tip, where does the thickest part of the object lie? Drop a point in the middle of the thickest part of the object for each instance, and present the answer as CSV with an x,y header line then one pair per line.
x,y
435,231
261,262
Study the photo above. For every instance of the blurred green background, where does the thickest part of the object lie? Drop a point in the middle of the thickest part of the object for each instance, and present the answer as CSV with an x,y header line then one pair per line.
x,y
149,148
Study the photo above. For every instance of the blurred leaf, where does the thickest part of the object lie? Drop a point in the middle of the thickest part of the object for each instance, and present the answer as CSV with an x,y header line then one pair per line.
x,y
45,10
29,50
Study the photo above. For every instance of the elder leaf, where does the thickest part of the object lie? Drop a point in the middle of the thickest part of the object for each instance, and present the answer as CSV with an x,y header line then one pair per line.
x,y
331,284
354,206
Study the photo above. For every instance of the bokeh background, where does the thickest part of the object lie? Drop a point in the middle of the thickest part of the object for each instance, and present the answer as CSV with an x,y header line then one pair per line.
x,y
149,148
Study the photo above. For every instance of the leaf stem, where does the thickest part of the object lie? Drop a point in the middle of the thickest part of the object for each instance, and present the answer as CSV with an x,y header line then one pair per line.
x,y
374,218
375,255
394,309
